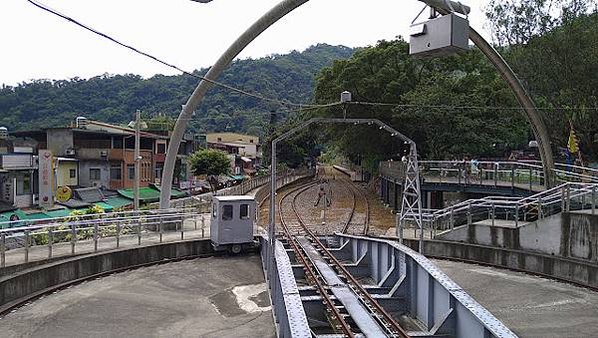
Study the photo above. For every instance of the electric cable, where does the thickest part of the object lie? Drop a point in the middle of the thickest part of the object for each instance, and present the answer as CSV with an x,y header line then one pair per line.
x,y
165,63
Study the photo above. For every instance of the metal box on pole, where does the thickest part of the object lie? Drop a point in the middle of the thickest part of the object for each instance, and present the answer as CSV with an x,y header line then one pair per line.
x,y
444,35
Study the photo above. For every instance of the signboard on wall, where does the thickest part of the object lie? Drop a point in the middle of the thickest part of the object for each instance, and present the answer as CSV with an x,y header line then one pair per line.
x,y
46,179
63,193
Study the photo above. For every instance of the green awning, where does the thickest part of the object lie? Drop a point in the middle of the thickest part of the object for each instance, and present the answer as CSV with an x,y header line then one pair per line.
x,y
5,217
58,213
174,192
36,215
118,202
146,194
107,207
237,177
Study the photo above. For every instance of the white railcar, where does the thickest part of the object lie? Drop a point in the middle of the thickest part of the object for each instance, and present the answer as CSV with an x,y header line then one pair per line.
x,y
232,224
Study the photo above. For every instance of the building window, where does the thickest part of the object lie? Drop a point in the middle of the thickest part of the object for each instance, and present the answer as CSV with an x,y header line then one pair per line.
x,y
220,139
161,148
251,141
244,211
158,171
131,171
227,212
117,143
24,186
95,174
72,173
115,172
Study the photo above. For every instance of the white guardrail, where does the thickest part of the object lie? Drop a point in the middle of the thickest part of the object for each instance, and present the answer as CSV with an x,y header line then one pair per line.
x,y
502,173
566,197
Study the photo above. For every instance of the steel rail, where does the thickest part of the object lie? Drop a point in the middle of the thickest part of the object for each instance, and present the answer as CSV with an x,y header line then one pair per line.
x,y
366,225
310,270
350,219
359,290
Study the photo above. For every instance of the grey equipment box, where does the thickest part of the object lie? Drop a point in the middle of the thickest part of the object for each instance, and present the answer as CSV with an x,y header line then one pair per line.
x,y
232,221
444,35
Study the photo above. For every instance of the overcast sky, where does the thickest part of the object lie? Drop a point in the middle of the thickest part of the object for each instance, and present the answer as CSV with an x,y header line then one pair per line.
x,y
38,45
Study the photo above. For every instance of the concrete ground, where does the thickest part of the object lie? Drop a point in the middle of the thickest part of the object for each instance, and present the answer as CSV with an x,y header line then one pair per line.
x,y
530,306
207,297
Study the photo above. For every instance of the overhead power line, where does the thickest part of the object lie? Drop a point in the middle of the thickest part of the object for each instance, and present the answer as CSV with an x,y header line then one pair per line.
x,y
165,63
299,107
401,105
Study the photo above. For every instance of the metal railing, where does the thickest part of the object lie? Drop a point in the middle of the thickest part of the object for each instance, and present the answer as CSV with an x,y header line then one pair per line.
x,y
24,240
496,174
67,236
523,175
566,197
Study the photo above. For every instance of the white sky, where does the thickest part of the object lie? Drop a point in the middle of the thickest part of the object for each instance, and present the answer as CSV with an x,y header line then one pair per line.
x,y
38,45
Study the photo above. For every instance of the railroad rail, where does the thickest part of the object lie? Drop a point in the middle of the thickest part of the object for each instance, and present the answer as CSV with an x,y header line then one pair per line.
x,y
315,258
357,191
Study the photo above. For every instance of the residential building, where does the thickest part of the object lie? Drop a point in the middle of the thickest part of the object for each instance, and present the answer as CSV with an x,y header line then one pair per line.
x,y
103,154
245,150
18,171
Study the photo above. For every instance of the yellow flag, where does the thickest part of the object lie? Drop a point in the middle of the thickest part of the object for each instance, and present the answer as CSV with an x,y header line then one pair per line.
x,y
573,144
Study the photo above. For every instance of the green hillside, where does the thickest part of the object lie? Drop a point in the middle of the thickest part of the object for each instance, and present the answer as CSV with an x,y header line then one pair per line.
x,y
114,98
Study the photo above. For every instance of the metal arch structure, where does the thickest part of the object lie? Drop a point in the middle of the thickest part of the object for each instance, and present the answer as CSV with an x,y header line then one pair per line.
x,y
411,208
285,7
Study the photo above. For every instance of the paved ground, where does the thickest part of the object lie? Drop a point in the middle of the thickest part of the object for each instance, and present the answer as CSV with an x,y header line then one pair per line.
x,y
208,297
529,305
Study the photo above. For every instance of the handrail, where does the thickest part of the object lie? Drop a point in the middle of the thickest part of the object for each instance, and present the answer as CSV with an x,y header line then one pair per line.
x,y
513,174
566,197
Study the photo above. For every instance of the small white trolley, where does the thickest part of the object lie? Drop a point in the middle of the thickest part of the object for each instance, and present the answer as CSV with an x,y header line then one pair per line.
x,y
233,220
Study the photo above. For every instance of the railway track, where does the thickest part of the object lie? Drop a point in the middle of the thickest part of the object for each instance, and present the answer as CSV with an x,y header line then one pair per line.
x,y
353,225
350,309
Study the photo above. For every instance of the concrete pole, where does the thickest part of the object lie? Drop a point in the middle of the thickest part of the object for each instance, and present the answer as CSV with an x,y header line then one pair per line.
x,y
268,19
137,159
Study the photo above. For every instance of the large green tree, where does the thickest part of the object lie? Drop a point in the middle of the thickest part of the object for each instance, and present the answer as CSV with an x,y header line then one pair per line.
x,y
516,22
211,163
557,59
448,106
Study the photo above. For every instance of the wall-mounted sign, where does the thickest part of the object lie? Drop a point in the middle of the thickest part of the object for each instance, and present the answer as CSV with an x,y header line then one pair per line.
x,y
63,193
46,179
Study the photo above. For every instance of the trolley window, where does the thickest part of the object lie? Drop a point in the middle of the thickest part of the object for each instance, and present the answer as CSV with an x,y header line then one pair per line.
x,y
227,212
214,211
244,211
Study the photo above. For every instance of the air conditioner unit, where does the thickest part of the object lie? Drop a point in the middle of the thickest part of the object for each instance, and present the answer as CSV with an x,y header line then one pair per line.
x,y
70,152
103,153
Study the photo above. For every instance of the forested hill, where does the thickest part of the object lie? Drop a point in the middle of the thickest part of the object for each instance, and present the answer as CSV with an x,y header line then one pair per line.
x,y
114,98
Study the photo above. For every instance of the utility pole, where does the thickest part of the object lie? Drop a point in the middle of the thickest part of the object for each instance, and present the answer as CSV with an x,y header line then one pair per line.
x,y
137,158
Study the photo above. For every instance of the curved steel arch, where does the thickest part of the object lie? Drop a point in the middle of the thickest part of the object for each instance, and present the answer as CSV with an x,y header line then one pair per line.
x,y
284,8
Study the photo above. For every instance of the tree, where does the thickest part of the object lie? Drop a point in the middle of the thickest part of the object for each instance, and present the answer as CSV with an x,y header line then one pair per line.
x,y
420,95
515,22
114,98
556,58
211,163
